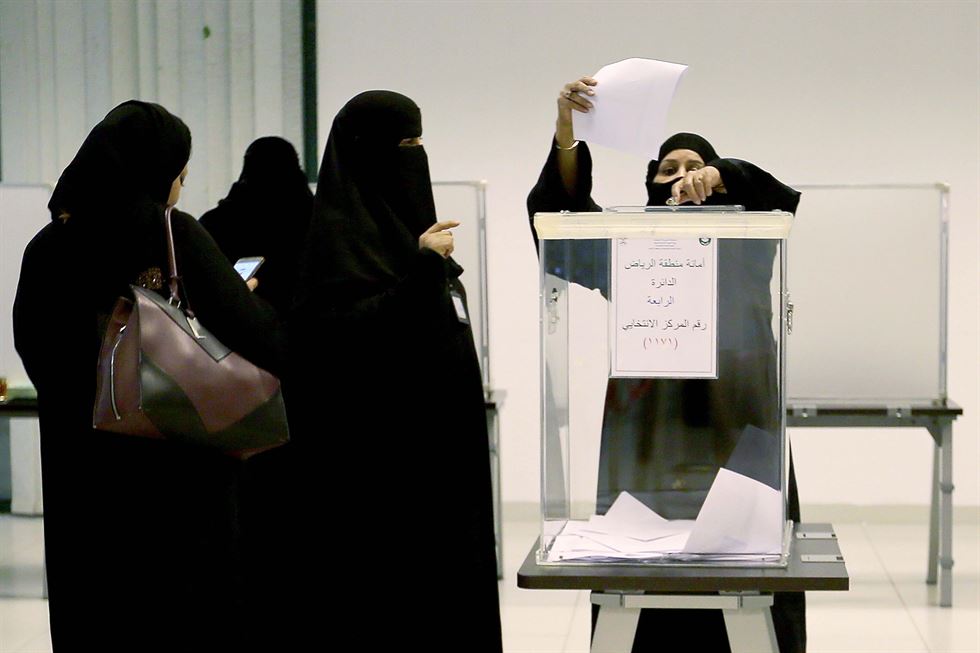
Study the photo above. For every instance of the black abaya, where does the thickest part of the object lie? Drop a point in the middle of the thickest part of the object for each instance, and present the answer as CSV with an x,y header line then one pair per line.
x,y
388,385
142,537
669,475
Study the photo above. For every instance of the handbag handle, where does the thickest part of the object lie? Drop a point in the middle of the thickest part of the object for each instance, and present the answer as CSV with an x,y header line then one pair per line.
x,y
172,260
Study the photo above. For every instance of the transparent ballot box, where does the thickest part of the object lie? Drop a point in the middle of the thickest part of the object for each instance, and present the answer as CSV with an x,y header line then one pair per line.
x,y
662,375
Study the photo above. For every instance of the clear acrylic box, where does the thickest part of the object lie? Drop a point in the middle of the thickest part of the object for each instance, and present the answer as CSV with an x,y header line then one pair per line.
x,y
662,376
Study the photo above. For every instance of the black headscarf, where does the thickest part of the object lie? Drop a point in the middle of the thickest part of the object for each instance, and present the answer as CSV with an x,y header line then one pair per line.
x,y
270,174
657,193
373,201
129,159
266,213
116,188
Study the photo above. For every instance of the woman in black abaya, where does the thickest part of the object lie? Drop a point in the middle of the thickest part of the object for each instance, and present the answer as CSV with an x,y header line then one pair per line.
x,y
387,381
266,213
142,541
704,418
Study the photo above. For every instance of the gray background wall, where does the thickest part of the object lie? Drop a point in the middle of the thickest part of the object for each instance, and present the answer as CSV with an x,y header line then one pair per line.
x,y
230,69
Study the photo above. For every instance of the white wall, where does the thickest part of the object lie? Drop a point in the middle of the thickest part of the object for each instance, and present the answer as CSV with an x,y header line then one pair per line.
x,y
814,92
65,64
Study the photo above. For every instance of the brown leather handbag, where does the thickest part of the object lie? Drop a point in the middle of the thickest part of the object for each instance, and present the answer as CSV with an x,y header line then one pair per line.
x,y
163,375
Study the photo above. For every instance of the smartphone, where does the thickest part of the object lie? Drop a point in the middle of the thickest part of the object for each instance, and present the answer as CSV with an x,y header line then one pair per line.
x,y
248,266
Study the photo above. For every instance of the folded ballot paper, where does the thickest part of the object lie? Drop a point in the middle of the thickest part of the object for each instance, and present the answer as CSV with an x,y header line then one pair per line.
x,y
739,521
630,105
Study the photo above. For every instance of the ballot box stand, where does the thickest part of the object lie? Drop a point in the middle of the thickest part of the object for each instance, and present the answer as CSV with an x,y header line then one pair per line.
x,y
744,595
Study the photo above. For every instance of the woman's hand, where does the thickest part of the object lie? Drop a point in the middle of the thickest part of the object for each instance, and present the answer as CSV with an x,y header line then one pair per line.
x,y
438,238
252,284
697,185
570,100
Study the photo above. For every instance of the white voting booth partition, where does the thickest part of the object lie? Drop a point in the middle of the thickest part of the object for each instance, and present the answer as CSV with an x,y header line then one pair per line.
x,y
867,278
465,201
868,275
23,212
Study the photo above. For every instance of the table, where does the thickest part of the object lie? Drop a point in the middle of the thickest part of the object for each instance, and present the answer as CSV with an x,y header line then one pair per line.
x,y
18,407
935,417
10,409
27,407
743,594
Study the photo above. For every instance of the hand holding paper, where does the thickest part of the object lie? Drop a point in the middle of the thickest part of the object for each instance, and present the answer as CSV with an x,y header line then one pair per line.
x,y
629,107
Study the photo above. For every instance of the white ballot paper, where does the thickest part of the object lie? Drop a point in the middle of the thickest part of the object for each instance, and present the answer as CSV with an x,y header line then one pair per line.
x,y
739,522
630,105
739,515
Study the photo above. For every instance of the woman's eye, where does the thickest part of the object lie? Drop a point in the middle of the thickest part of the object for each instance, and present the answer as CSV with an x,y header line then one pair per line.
x,y
668,171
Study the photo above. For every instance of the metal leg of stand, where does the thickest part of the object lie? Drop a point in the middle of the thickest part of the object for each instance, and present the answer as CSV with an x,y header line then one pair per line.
x,y
933,561
751,630
748,618
615,629
946,518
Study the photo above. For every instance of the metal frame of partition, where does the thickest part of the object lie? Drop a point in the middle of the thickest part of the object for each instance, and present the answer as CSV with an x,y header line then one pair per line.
x,y
493,399
483,347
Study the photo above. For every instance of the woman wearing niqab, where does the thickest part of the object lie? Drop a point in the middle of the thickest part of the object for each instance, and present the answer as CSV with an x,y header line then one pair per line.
x,y
143,547
663,440
387,386
266,213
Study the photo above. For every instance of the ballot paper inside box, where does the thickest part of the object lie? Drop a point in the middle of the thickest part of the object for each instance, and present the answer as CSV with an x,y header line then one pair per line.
x,y
662,365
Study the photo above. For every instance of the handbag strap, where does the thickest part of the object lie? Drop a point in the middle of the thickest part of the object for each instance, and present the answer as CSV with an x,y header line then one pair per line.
x,y
175,280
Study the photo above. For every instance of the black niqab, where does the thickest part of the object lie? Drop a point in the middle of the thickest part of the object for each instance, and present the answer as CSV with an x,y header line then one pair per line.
x,y
659,192
373,200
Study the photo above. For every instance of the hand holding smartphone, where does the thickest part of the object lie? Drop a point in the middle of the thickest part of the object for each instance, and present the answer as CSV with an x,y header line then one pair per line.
x,y
248,266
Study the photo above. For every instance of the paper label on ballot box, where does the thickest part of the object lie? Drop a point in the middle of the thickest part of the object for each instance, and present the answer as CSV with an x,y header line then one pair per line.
x,y
664,308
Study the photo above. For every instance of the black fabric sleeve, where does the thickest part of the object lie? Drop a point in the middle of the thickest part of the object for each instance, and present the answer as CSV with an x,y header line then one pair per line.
x,y
221,300
215,223
550,195
418,291
408,304
754,188
34,312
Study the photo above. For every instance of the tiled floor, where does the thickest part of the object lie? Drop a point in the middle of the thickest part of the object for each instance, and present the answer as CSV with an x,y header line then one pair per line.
x,y
889,607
